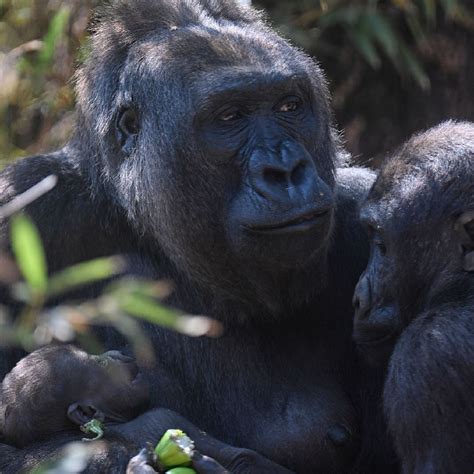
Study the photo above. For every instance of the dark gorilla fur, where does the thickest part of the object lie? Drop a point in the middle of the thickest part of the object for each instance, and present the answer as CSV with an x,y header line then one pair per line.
x,y
416,299
204,152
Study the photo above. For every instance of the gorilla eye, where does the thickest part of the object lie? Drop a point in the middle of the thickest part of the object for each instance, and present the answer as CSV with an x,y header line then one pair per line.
x,y
127,128
128,121
289,105
231,115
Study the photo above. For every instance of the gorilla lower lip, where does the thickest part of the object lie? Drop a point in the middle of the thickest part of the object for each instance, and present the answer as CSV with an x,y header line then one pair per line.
x,y
374,342
301,223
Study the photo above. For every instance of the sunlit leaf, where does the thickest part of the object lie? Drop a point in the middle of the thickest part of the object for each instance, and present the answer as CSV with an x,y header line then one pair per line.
x,y
83,274
154,312
149,310
29,253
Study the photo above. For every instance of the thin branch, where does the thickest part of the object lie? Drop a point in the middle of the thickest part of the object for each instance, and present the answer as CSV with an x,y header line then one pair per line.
x,y
22,200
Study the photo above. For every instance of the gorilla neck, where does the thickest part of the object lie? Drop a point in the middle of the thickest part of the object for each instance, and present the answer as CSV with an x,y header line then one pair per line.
x,y
239,293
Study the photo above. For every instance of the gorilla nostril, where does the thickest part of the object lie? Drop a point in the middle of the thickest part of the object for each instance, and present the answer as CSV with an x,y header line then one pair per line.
x,y
339,435
274,176
356,303
298,173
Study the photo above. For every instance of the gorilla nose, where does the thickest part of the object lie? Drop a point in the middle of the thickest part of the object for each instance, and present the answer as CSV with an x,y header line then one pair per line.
x,y
279,176
123,363
284,174
362,301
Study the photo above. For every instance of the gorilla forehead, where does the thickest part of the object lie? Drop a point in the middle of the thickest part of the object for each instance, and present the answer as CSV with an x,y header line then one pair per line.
x,y
239,48
430,177
178,38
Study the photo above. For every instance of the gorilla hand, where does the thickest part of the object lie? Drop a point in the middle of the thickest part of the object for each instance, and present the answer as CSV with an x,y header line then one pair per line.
x,y
219,456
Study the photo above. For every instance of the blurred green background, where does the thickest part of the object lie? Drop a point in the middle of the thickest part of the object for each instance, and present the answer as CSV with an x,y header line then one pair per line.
x,y
394,66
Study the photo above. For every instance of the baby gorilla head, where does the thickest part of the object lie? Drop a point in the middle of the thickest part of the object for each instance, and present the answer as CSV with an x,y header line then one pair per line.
x,y
58,387
420,219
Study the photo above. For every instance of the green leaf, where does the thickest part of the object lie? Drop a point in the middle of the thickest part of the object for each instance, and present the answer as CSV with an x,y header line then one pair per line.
x,y
429,8
343,16
83,274
415,68
384,33
149,310
415,27
366,47
55,32
451,7
29,253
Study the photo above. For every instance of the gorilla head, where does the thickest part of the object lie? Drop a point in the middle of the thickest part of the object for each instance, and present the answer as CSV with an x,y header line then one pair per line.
x,y
420,218
58,387
214,135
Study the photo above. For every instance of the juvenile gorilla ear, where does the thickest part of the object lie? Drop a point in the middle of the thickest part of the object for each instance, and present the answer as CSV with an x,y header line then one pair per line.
x,y
127,128
82,413
465,229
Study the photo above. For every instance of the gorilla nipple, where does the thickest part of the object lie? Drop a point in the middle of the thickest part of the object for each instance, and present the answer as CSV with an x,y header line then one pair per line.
x,y
339,435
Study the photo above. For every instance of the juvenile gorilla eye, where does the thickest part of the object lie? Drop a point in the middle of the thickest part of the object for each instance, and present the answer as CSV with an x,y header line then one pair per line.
x,y
289,105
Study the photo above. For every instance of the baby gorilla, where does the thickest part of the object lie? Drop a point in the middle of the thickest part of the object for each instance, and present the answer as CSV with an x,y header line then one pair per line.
x,y
60,387
415,301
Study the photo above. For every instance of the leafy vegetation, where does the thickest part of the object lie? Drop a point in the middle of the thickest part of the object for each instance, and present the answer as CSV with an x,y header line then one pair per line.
x,y
121,303
40,40
376,30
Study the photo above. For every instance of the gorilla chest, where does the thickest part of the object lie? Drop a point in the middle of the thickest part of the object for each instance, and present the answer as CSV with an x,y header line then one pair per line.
x,y
309,429
283,399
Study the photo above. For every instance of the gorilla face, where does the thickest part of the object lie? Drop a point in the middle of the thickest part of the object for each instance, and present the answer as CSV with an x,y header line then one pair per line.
x,y
420,220
226,150
59,386
281,204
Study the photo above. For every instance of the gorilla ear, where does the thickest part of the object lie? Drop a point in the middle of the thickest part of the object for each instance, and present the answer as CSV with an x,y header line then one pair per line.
x,y
465,229
127,128
82,413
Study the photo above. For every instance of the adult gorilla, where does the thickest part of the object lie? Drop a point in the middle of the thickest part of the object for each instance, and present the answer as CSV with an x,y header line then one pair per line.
x,y
204,150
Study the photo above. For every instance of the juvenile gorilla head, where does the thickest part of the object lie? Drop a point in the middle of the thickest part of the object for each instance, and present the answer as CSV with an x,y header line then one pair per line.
x,y
420,218
214,135
59,387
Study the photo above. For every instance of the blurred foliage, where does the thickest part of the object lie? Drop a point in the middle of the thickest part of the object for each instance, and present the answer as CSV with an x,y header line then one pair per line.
x,y
401,44
394,66
376,30
39,41
123,301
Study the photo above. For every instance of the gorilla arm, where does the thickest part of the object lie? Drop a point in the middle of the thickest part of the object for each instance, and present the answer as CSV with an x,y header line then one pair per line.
x,y
125,440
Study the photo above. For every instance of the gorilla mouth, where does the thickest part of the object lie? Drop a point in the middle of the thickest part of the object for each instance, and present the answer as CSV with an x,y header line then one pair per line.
x,y
302,223
376,341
